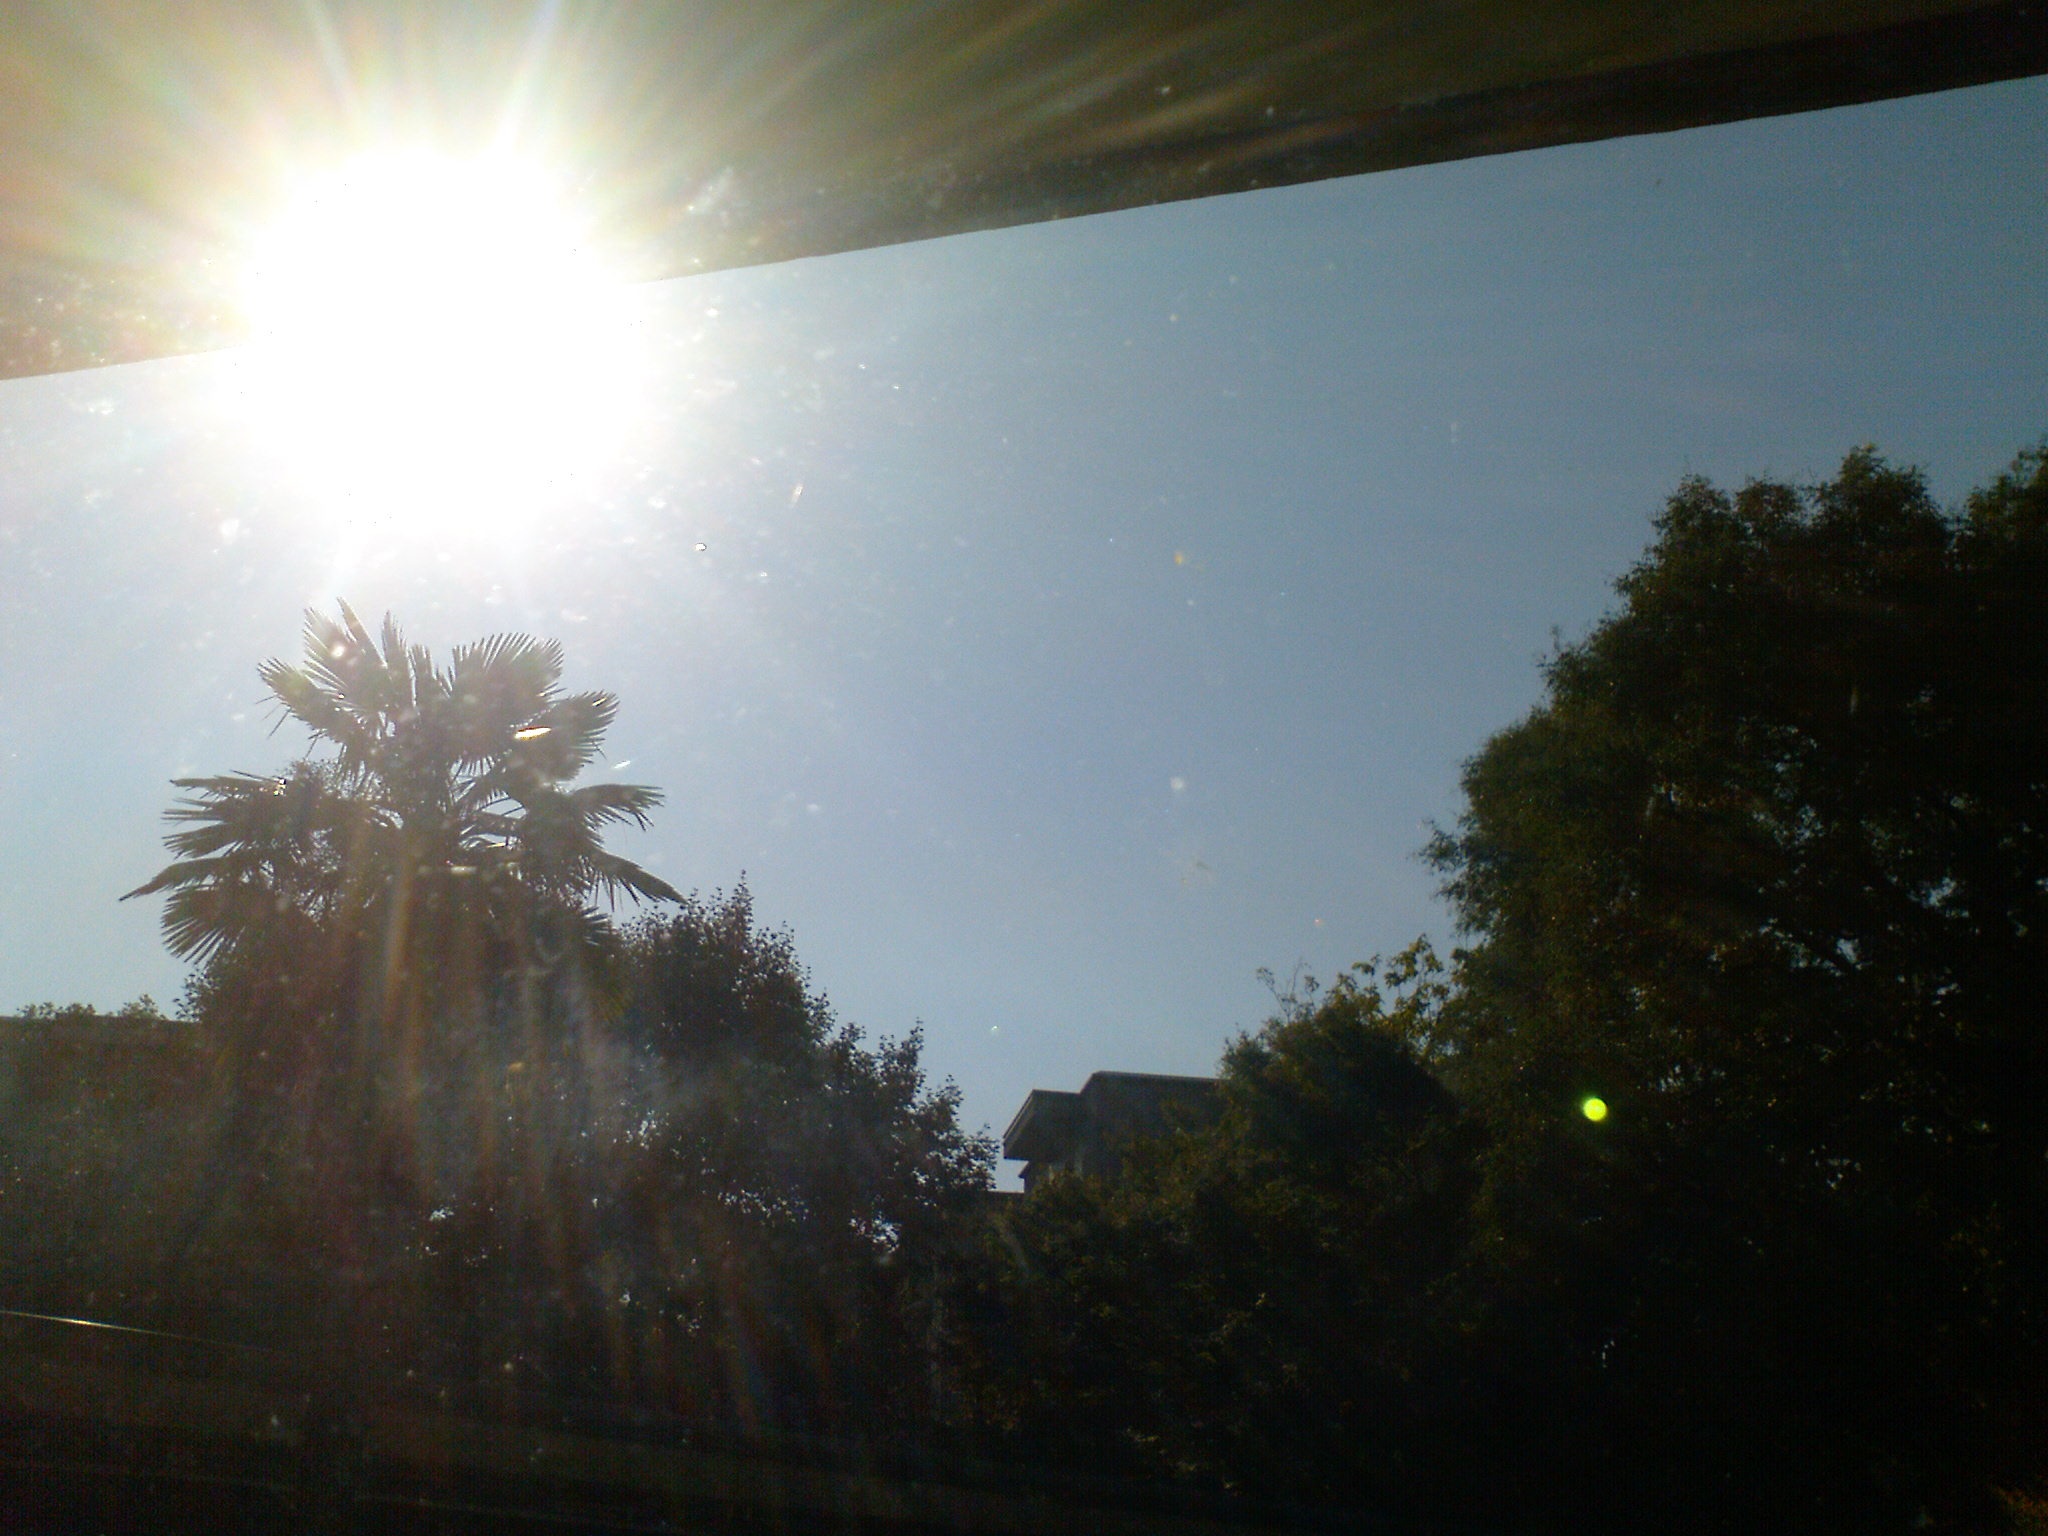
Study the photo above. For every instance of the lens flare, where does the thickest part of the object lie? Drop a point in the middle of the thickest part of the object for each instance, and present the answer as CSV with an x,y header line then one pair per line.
x,y
436,344
1594,1109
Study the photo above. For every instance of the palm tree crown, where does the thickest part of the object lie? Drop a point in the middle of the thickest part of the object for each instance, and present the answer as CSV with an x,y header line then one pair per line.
x,y
446,790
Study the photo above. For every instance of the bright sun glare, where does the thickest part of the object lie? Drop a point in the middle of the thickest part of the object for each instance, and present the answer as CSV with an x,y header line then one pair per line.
x,y
436,345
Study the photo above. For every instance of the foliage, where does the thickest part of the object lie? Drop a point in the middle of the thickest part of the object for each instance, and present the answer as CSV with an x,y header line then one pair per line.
x,y
58,1013
96,1145
780,1191
1768,872
141,1010
711,1199
1254,1304
380,931
443,797
472,1129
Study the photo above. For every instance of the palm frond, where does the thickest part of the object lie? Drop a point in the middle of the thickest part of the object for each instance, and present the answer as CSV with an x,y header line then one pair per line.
x,y
202,920
539,662
341,657
560,741
245,810
611,805
615,874
397,662
494,688
429,686
318,709
444,793
182,873
593,931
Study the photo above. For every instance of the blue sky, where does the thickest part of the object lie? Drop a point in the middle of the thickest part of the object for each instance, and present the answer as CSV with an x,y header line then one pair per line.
x,y
1090,614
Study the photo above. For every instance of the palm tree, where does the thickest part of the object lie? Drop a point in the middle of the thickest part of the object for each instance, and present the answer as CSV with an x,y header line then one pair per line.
x,y
445,793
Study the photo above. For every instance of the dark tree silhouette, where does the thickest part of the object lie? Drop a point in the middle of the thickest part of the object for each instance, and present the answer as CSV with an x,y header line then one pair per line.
x,y
382,932
1255,1304
474,1132
441,791
1766,873
779,1196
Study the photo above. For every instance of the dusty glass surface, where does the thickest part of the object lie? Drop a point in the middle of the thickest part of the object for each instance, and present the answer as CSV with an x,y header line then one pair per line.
x,y
1053,627
1087,615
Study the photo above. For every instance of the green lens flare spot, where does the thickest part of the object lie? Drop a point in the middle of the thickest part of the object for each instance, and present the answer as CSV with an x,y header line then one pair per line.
x,y
1594,1109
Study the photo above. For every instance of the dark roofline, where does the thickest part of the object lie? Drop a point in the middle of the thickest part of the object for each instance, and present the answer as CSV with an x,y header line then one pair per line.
x,y
1048,1114
1144,1077
1040,1105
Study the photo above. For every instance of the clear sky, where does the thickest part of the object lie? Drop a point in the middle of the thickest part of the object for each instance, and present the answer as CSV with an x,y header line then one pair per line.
x,y
1088,615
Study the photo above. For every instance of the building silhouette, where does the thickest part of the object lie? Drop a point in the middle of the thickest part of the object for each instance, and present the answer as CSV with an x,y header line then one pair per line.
x,y
1089,1132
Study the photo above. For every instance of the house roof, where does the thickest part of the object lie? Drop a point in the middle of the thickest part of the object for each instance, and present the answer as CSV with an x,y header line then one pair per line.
x,y
1044,1125
1047,1122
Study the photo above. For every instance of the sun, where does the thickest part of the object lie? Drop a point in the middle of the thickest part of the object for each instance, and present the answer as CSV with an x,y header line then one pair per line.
x,y
434,343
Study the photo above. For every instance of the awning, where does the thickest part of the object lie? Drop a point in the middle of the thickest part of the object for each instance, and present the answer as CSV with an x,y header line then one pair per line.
x,y
141,142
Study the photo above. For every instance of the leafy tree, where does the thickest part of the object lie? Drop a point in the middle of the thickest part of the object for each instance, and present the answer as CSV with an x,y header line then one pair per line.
x,y
537,1154
1257,1304
1706,1195
1767,873
784,1193
96,1144
729,1207
58,1013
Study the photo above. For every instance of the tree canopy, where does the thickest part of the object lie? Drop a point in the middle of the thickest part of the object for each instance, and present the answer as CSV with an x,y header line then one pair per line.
x,y
1766,875
442,790
1700,1190
1252,1303
469,1123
